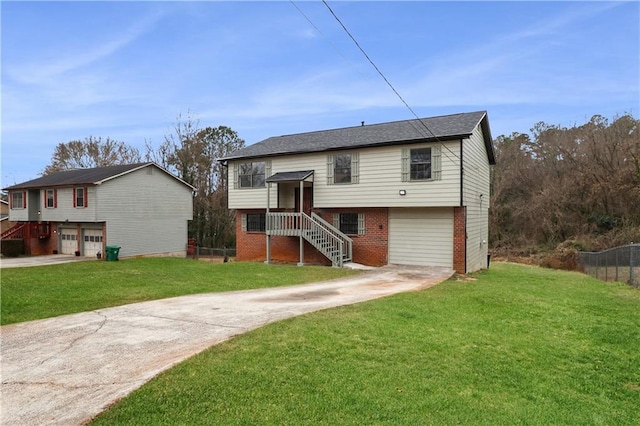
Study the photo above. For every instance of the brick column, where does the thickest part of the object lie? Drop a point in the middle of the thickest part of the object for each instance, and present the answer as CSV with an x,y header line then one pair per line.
x,y
459,240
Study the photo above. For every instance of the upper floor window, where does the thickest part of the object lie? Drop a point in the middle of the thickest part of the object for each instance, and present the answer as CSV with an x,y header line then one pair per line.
x,y
342,168
419,164
252,175
80,197
18,200
50,199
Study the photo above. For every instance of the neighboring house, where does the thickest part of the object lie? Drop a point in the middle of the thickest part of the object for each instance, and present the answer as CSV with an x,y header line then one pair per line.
x,y
140,207
412,192
5,223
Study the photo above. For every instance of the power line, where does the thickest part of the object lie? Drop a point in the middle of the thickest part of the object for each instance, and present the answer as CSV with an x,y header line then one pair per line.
x,y
328,40
386,80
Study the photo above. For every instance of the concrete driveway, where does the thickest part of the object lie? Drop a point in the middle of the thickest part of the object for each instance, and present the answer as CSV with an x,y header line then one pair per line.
x,y
66,370
50,259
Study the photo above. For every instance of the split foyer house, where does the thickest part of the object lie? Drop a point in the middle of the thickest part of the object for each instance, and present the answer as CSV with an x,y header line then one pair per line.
x,y
412,192
140,207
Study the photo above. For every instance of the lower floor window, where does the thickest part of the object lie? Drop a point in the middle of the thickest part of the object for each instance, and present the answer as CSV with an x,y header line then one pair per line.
x,y
349,223
255,222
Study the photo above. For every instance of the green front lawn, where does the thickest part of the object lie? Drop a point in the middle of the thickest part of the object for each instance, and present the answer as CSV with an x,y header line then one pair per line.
x,y
521,345
48,291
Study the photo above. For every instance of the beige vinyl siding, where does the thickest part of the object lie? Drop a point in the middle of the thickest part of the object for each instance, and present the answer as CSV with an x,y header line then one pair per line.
x,y
380,180
421,236
245,198
146,213
476,196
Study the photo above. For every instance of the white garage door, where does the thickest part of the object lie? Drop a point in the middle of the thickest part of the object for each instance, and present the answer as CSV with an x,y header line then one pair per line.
x,y
68,241
421,236
92,243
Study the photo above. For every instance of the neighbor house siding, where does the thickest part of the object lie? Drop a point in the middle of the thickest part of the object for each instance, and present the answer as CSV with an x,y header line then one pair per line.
x,y
18,213
476,196
65,210
380,180
145,211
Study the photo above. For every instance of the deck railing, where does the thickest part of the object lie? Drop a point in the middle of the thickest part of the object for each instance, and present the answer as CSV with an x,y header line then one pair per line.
x,y
287,224
24,230
16,232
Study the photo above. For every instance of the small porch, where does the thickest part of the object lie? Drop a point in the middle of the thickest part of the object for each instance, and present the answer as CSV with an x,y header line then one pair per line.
x,y
295,189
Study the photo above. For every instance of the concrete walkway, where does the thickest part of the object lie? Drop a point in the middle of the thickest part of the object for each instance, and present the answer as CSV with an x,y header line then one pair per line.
x,y
66,370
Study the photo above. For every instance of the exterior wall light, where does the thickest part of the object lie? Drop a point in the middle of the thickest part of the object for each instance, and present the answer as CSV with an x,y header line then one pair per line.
x,y
402,192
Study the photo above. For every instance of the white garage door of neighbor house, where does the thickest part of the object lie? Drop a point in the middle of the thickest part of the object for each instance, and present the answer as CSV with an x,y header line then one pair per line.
x,y
421,237
68,241
92,243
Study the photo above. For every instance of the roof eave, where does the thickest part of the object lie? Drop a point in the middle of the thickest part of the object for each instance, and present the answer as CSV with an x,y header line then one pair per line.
x,y
488,140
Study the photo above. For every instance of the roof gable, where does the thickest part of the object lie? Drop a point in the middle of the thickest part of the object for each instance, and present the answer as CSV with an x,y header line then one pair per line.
x,y
93,176
445,127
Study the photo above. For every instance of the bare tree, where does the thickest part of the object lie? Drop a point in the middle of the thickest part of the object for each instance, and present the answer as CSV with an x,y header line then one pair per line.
x,y
581,182
191,153
91,152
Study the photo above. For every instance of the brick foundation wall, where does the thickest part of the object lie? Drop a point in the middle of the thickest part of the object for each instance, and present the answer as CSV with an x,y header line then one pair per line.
x,y
372,248
250,246
368,249
39,247
459,240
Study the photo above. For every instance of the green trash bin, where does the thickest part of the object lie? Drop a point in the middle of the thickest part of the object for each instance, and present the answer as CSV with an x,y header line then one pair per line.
x,y
112,253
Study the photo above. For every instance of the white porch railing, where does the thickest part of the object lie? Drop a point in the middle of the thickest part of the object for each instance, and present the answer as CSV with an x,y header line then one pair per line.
x,y
287,224
328,240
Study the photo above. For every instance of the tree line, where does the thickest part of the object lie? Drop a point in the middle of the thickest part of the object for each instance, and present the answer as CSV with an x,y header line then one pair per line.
x,y
559,184
556,184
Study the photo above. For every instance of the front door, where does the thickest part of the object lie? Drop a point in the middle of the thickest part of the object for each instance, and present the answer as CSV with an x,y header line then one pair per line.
x,y
307,203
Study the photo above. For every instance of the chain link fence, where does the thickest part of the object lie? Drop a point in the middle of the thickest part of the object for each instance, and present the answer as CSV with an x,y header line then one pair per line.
x,y
214,254
616,264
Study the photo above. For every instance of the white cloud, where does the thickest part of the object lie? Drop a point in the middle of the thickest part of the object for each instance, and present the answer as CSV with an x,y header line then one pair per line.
x,y
41,72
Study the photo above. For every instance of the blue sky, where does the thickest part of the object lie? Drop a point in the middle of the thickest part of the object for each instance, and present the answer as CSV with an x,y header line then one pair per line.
x,y
126,70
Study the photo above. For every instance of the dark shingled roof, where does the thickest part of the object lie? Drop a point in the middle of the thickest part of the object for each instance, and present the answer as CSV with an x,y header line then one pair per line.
x,y
290,176
93,176
446,127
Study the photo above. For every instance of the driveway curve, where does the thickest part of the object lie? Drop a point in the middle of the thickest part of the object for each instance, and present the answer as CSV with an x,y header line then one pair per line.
x,y
68,369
